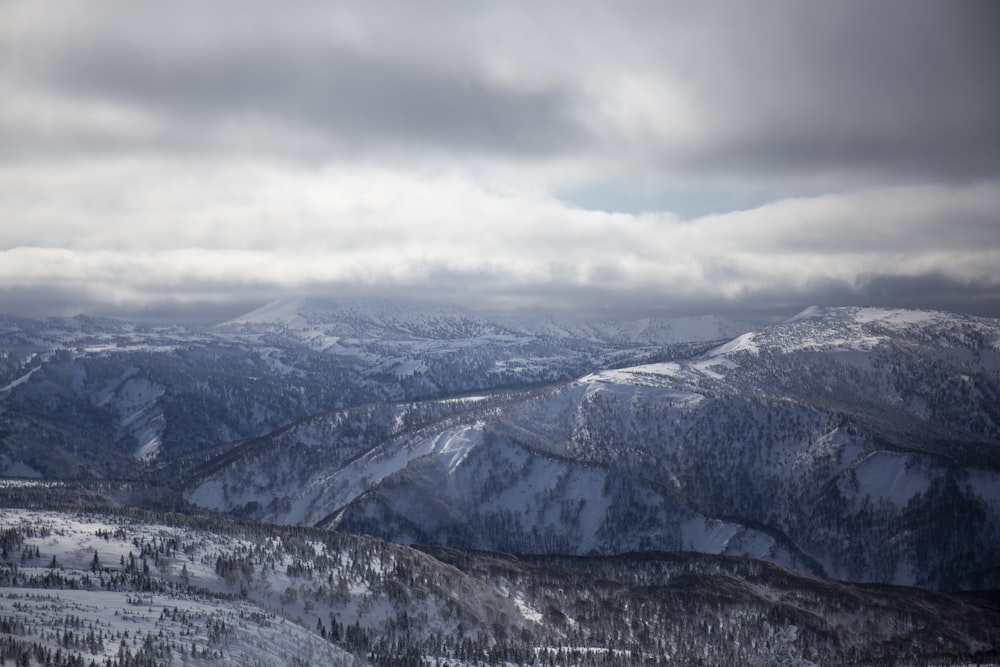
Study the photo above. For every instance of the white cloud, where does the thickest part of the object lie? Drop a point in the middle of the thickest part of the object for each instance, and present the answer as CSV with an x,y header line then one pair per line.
x,y
188,150
145,230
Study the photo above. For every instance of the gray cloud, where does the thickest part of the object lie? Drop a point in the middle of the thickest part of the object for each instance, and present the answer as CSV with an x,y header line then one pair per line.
x,y
163,158
893,90
343,96
60,301
352,101
888,90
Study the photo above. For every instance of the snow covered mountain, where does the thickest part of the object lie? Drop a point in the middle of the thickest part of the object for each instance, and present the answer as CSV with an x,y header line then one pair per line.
x,y
325,322
858,443
119,587
642,461
92,397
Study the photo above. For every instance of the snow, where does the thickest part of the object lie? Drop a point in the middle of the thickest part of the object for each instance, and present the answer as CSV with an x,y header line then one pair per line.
x,y
895,316
338,488
665,375
635,374
9,468
408,367
19,381
135,400
527,610
862,329
452,447
744,343
8,483
272,356
986,485
285,310
475,398
585,489
668,377
712,367
654,331
123,346
707,535
671,390
808,313
890,477
148,448
208,494
228,631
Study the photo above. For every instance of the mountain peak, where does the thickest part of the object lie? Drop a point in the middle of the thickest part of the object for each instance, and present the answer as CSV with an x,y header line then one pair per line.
x,y
285,309
367,318
810,312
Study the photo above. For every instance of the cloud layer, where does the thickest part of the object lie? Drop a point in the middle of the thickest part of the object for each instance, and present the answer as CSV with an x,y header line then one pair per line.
x,y
172,158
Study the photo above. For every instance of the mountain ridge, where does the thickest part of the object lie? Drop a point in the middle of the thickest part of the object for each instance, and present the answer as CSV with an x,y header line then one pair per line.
x,y
76,378
154,588
865,418
609,421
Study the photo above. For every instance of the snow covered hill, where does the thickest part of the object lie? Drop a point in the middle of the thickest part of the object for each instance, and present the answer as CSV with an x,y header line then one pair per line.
x,y
119,588
103,398
859,443
325,322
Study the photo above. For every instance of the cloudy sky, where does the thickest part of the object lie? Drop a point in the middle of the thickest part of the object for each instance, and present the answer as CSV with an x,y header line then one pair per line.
x,y
192,159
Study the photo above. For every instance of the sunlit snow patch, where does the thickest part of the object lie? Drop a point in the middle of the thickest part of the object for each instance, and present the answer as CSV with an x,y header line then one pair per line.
x,y
744,343
149,447
453,446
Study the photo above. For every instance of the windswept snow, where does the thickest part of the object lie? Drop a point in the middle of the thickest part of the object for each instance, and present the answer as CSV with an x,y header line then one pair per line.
x,y
453,446
149,447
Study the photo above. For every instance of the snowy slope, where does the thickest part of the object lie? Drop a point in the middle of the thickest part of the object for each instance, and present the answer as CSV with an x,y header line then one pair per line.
x,y
224,594
334,319
371,319
120,588
109,398
820,442
649,330
837,442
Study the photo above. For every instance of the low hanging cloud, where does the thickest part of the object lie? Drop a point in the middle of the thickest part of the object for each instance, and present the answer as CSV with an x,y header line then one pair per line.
x,y
255,230
169,158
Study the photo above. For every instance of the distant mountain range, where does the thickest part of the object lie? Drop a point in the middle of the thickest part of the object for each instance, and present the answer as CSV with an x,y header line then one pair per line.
x,y
851,444
862,444
105,395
